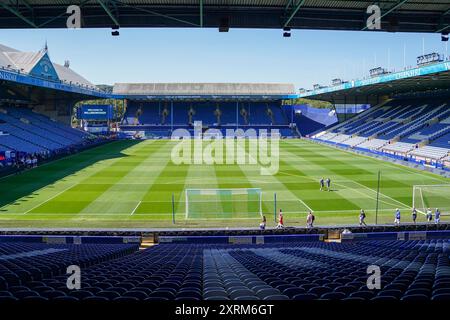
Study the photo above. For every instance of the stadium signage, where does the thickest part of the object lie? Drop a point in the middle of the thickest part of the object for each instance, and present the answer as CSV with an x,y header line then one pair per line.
x,y
95,112
8,76
420,71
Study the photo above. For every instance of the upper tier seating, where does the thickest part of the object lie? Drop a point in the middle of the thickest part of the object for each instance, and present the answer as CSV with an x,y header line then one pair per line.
x,y
443,141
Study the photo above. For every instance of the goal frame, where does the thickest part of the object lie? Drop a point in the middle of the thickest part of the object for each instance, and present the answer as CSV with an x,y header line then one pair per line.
x,y
186,191
419,187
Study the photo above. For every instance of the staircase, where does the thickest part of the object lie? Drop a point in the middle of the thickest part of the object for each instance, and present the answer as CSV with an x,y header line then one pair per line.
x,y
147,242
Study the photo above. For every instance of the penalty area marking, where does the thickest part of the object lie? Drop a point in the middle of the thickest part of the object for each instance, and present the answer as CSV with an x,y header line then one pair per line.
x,y
308,207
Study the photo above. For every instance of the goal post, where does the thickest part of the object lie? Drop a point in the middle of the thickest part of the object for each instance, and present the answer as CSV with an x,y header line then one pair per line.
x,y
431,196
241,203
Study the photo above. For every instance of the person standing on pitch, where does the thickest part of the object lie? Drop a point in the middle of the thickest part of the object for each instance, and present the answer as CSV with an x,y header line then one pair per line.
x,y
262,225
397,217
414,215
309,220
362,216
328,182
280,220
429,215
321,184
437,216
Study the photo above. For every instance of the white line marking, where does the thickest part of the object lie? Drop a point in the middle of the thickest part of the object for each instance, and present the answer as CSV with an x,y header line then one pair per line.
x,y
182,213
51,198
309,208
356,190
387,163
135,208
404,204
365,194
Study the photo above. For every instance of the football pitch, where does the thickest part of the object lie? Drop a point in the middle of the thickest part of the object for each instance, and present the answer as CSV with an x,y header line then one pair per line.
x,y
130,184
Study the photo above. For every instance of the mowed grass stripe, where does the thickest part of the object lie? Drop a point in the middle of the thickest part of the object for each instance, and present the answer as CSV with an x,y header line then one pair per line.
x,y
395,183
364,169
286,200
232,177
123,196
43,183
157,202
393,193
75,199
131,170
346,194
202,177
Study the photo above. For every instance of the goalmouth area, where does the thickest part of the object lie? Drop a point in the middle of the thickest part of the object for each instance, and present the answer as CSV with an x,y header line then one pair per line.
x,y
134,184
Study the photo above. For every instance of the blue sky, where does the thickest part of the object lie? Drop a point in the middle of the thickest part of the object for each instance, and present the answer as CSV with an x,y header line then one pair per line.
x,y
205,55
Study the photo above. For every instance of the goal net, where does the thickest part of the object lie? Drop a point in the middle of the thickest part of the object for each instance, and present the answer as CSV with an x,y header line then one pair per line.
x,y
432,196
242,203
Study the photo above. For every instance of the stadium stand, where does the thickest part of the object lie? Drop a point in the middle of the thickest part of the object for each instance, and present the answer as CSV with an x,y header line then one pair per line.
x,y
414,128
154,113
25,131
297,270
156,109
401,148
372,144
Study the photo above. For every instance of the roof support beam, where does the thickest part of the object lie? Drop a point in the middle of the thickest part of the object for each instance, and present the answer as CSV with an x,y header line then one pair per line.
x,y
298,6
441,26
108,12
159,14
18,14
393,8
201,13
26,4
62,14
288,5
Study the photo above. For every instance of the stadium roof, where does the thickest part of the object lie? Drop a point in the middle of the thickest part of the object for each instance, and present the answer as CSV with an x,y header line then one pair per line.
x,y
204,90
396,15
372,90
36,69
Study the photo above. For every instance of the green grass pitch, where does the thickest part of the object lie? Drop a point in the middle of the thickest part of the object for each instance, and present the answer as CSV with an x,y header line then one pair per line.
x,y
129,184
